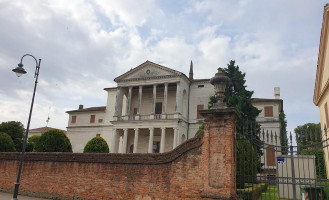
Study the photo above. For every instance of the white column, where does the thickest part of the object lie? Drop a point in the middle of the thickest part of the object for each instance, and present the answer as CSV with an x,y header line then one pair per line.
x,y
114,141
125,138
129,101
178,101
165,97
175,138
139,100
163,140
118,102
154,99
179,138
150,149
136,140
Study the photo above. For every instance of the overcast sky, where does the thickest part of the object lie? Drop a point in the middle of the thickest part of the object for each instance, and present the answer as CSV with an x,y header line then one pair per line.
x,y
84,45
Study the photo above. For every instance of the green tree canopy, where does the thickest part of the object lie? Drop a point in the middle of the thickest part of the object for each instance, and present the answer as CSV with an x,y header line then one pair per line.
x,y
53,140
31,141
16,131
308,134
96,145
6,143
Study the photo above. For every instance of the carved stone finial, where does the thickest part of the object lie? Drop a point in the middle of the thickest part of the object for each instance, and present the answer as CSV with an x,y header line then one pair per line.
x,y
219,81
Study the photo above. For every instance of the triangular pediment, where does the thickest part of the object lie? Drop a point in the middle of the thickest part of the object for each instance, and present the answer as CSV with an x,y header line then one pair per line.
x,y
147,70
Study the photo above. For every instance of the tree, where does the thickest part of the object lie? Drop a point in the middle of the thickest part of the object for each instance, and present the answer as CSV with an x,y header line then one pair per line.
x,y
308,134
6,143
31,142
53,140
96,145
283,133
16,131
236,95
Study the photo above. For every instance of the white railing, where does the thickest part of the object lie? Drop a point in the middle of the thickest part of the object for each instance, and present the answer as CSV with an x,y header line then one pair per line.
x,y
149,117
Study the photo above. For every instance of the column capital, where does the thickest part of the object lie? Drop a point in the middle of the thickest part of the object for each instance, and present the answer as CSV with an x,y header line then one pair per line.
x,y
140,86
136,129
152,128
163,128
125,129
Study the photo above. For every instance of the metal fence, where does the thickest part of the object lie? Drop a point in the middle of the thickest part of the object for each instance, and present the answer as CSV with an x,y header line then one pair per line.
x,y
271,167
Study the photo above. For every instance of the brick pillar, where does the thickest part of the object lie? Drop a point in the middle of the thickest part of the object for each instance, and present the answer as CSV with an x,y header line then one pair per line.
x,y
218,154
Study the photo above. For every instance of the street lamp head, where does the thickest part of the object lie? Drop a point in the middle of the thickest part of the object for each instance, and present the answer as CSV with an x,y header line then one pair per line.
x,y
19,70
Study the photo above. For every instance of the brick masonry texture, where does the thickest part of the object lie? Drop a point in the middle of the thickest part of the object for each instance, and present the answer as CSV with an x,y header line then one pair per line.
x,y
201,168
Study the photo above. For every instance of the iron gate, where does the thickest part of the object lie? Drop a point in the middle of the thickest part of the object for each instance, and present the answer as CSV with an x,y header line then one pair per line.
x,y
268,168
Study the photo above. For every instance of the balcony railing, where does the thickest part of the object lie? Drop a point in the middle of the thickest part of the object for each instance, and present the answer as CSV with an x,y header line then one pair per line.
x,y
149,117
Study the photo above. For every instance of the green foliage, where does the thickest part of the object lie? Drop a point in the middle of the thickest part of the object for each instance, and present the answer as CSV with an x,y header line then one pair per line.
x,y
283,133
239,97
96,145
201,128
31,142
319,161
212,100
252,192
305,134
53,140
16,131
247,163
6,143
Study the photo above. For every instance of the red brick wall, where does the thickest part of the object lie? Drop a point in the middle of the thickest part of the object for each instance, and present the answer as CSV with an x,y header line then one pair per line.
x,y
201,168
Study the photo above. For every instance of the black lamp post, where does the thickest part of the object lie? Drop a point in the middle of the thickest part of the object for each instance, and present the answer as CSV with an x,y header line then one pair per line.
x,y
19,72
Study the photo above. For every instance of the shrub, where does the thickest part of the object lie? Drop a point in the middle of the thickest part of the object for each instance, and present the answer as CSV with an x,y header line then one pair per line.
x,y
96,145
6,143
31,141
53,140
16,131
253,192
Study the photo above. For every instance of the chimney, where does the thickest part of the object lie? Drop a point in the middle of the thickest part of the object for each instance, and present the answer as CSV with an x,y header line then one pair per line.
x,y
277,92
80,107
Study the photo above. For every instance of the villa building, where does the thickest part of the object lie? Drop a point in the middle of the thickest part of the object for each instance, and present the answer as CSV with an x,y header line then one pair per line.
x,y
153,109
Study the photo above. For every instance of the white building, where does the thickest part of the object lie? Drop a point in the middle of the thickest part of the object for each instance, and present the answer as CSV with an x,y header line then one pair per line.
x,y
152,109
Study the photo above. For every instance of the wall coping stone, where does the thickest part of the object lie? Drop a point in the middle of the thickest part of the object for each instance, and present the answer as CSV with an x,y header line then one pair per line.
x,y
111,158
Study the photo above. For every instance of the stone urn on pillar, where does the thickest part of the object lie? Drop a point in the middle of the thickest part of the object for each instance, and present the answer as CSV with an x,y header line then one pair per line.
x,y
218,149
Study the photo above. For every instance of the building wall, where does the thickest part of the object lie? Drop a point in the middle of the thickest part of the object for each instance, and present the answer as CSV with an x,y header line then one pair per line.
x,y
202,167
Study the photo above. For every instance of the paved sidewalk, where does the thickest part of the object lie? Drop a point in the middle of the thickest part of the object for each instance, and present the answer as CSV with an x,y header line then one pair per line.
x,y
9,196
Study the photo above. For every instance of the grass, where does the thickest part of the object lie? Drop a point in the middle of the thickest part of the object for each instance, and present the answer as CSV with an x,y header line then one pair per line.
x,y
270,194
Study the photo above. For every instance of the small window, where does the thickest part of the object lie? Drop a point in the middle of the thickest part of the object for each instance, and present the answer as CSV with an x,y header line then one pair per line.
x,y
200,86
199,107
92,118
135,111
100,120
74,119
98,135
268,111
156,147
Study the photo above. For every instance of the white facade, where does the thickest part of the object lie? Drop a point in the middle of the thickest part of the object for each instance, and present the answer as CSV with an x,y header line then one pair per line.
x,y
152,109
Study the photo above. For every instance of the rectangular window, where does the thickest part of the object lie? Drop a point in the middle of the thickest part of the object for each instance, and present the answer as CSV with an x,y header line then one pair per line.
x,y
268,111
74,119
100,120
158,108
270,156
135,111
199,107
92,118
156,147
98,135
200,86
326,112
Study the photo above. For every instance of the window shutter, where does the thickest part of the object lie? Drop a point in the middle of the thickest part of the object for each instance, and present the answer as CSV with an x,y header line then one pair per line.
x,y
268,111
199,107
